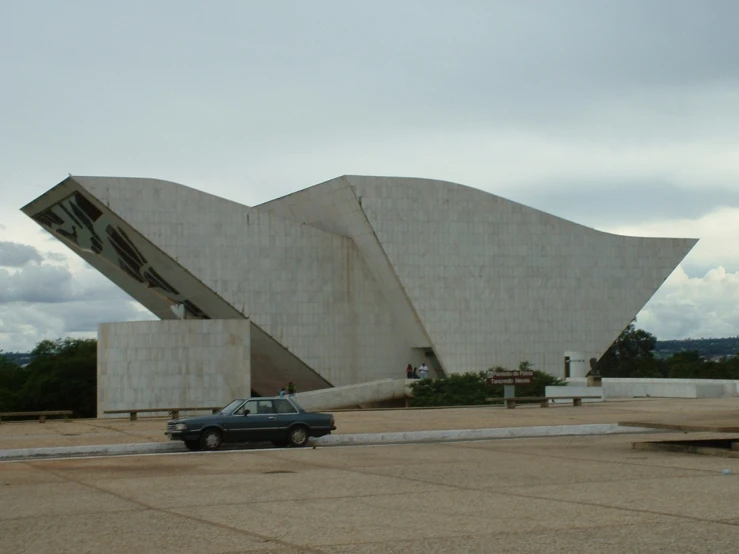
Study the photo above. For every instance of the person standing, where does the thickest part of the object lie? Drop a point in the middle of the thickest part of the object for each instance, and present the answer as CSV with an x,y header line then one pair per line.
x,y
409,372
423,371
291,389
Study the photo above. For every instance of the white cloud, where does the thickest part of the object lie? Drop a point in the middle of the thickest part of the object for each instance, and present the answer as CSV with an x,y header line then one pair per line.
x,y
13,254
694,307
60,297
700,298
36,283
23,325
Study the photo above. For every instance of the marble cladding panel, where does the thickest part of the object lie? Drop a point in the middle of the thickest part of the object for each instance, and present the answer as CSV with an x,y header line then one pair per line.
x,y
174,363
334,207
496,283
309,289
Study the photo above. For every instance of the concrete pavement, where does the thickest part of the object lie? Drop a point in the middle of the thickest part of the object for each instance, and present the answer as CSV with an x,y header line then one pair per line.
x,y
592,494
585,494
31,434
344,439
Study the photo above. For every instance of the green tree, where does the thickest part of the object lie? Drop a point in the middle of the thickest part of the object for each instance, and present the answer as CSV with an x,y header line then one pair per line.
x,y
684,365
62,375
690,365
631,355
12,377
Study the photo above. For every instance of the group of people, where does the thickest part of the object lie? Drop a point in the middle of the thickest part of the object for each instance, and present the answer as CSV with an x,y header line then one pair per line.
x,y
420,372
290,390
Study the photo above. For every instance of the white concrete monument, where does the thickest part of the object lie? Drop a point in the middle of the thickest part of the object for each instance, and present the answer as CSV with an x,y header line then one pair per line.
x,y
350,280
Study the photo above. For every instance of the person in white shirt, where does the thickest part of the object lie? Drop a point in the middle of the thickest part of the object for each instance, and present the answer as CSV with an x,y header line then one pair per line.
x,y
423,371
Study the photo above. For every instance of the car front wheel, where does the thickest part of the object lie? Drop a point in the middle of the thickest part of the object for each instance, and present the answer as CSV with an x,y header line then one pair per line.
x,y
211,439
298,436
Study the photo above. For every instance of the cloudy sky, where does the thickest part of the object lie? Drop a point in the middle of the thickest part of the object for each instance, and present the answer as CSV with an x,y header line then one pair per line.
x,y
623,116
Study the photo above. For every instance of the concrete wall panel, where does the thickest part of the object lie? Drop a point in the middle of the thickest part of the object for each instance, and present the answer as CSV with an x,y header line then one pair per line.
x,y
309,289
333,206
171,364
497,283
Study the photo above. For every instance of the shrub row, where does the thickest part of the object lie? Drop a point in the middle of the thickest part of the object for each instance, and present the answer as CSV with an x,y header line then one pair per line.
x,y
471,389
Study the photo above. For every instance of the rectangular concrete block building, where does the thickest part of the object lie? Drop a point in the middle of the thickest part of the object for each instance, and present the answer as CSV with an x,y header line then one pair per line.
x,y
350,280
173,363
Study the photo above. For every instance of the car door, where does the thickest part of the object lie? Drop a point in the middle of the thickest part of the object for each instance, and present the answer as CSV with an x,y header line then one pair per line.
x,y
234,425
286,414
260,422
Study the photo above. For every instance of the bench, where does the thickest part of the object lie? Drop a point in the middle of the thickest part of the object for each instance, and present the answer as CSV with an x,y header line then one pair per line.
x,y
543,401
174,413
41,415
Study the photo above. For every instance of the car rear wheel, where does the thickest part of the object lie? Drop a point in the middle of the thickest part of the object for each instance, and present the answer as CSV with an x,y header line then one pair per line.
x,y
193,445
211,439
298,436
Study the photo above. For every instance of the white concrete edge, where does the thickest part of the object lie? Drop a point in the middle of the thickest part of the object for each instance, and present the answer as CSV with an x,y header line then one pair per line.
x,y
476,434
341,440
91,450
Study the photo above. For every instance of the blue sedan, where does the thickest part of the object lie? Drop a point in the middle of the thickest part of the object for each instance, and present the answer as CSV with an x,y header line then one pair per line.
x,y
278,420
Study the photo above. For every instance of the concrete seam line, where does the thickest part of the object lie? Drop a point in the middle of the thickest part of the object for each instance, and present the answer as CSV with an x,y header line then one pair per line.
x,y
339,440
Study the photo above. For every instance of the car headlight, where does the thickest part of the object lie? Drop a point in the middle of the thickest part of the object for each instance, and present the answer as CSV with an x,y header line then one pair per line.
x,y
180,427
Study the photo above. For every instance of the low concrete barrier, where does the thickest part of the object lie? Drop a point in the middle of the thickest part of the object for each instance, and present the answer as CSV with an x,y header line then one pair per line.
x,y
575,390
614,387
354,395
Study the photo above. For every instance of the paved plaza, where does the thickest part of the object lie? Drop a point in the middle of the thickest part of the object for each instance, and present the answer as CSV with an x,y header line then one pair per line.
x,y
81,432
585,494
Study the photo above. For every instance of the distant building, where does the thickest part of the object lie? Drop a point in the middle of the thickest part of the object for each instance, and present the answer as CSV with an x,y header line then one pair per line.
x,y
343,282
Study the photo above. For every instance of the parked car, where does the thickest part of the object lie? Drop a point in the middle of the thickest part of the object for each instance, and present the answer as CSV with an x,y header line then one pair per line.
x,y
278,420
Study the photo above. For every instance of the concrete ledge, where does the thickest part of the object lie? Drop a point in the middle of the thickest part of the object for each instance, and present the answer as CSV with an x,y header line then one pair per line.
x,y
574,390
93,450
336,440
617,387
476,434
684,427
354,395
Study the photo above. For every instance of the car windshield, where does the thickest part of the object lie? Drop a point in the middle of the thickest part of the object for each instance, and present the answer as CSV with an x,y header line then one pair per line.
x,y
231,407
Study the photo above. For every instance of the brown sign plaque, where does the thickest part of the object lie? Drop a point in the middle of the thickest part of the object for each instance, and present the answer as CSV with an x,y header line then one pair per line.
x,y
516,377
